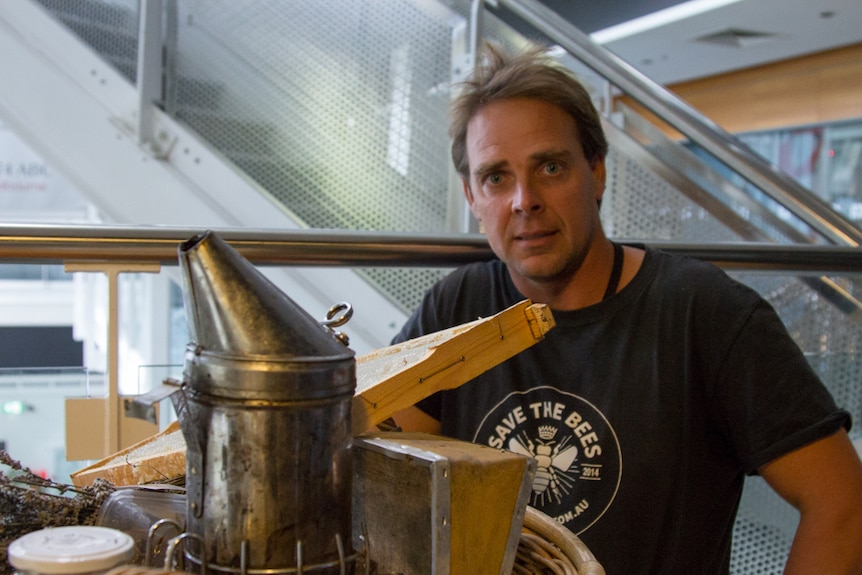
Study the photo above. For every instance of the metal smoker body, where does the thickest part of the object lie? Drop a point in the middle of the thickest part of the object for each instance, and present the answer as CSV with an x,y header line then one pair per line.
x,y
266,417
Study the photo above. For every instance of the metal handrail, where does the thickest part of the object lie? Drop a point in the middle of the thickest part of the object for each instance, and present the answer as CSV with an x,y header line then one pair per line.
x,y
50,244
682,117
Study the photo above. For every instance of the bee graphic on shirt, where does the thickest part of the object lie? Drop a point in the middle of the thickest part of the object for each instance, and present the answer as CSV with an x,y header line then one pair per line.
x,y
554,478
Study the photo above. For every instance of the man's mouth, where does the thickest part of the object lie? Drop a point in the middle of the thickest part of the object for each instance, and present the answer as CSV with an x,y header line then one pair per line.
x,y
531,236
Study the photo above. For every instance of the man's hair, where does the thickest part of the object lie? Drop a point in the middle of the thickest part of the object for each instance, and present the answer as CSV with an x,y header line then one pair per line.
x,y
530,74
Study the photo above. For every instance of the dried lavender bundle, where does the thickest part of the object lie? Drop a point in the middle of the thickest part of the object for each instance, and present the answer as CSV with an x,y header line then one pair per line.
x,y
29,502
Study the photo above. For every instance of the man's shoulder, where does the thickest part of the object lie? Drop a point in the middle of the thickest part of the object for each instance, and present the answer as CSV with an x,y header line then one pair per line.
x,y
692,279
684,268
474,290
474,276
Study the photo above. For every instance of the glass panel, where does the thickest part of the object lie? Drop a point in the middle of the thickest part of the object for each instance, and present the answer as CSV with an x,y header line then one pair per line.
x,y
33,272
31,191
827,159
32,415
52,320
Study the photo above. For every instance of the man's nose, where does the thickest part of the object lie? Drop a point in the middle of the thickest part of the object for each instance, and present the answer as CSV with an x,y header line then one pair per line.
x,y
526,199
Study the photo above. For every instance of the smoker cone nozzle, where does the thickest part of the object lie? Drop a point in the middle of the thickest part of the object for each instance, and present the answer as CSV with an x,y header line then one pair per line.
x,y
233,309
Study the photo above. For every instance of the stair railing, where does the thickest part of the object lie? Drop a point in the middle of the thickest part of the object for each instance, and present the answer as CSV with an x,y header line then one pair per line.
x,y
682,117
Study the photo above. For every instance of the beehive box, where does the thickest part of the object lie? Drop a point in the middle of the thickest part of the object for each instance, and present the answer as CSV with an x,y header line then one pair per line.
x,y
427,505
157,459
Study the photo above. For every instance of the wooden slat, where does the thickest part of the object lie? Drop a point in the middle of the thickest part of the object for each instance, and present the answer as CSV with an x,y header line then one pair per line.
x,y
396,377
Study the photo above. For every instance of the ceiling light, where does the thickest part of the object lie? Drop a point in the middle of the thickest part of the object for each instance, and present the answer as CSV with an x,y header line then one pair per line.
x,y
15,407
656,19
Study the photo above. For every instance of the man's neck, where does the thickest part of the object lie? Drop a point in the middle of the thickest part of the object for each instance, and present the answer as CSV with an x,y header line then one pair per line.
x,y
576,289
588,284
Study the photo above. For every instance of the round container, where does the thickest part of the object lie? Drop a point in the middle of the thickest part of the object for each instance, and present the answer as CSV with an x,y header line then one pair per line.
x,y
70,550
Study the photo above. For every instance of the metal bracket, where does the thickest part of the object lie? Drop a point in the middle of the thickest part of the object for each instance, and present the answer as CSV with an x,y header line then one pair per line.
x,y
143,406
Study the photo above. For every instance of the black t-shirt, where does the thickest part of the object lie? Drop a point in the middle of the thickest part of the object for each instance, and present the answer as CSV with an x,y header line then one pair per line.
x,y
644,412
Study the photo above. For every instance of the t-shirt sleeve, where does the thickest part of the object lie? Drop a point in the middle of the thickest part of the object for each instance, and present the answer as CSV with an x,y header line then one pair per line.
x,y
768,400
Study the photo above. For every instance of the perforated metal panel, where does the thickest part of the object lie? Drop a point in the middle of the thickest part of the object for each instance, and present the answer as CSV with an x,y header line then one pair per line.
x,y
109,27
760,547
334,108
640,204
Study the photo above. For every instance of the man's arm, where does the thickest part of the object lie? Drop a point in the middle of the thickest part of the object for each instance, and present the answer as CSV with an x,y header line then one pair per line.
x,y
823,480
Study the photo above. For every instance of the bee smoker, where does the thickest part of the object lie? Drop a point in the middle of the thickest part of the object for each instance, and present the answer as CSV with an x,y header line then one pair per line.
x,y
265,412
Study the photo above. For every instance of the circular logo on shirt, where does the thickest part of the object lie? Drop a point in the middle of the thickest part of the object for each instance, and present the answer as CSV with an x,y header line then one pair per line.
x,y
578,460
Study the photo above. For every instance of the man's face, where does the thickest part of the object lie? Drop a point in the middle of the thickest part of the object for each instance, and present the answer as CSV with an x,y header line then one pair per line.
x,y
532,188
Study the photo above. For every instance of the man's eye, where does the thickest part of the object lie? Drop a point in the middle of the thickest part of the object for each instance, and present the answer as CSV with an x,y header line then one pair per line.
x,y
553,167
494,179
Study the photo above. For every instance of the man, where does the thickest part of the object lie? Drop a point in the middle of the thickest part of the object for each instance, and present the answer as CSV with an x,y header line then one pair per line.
x,y
664,381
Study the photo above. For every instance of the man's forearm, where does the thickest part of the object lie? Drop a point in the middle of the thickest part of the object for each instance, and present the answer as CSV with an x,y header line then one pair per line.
x,y
831,545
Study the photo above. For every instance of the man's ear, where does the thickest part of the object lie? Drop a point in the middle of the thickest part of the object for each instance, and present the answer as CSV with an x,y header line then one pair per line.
x,y
471,203
599,177
467,192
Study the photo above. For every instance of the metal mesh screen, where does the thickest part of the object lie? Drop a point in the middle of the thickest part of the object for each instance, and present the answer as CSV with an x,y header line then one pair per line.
x,y
334,108
337,110
109,27
640,204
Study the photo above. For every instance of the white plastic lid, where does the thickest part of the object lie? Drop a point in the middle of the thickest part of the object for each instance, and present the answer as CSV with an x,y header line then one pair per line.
x,y
73,549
